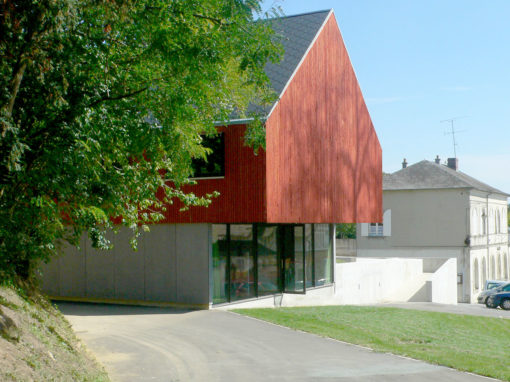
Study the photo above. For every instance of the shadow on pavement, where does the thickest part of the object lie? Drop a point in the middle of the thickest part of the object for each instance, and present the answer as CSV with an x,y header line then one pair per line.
x,y
99,309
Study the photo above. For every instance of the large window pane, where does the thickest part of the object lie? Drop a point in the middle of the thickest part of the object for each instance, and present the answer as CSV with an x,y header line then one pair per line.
x,y
267,247
241,262
323,254
219,260
308,255
293,258
299,252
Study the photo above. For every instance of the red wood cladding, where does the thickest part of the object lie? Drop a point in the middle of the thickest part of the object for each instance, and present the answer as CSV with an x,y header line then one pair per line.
x,y
323,156
242,190
323,159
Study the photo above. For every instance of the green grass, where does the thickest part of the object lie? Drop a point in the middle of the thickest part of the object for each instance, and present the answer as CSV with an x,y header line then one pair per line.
x,y
479,345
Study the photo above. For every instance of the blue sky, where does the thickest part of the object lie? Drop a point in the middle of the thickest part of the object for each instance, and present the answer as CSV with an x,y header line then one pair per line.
x,y
422,62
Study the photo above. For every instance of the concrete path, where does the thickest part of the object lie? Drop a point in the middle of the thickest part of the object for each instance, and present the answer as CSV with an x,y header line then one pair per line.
x,y
155,344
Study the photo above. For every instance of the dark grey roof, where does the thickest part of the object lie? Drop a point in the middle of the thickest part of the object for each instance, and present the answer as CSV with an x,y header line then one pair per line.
x,y
296,34
429,175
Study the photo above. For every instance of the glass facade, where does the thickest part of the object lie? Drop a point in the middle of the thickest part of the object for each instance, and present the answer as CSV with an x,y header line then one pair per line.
x,y
219,260
323,254
242,264
293,254
251,260
309,256
267,259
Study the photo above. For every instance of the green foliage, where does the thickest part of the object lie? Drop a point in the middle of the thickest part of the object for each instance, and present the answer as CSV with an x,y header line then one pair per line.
x,y
346,231
102,104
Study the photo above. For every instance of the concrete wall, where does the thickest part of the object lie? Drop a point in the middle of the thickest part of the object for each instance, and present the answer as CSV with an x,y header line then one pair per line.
x,y
324,295
345,247
369,281
443,280
170,266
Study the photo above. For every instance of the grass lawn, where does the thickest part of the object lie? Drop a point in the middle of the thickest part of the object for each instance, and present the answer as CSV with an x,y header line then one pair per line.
x,y
477,344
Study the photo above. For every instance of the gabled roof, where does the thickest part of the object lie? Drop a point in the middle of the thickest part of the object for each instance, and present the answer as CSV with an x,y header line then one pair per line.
x,y
429,175
296,33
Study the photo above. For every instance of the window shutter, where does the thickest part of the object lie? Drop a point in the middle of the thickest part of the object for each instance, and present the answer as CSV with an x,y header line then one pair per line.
x,y
387,223
364,229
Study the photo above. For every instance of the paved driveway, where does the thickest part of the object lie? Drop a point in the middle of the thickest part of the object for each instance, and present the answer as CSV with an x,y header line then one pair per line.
x,y
154,344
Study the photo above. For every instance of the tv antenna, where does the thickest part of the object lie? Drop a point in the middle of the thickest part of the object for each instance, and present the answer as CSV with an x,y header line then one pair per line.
x,y
452,132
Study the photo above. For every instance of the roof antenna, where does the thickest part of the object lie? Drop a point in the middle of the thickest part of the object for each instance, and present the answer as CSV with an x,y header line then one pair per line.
x,y
453,132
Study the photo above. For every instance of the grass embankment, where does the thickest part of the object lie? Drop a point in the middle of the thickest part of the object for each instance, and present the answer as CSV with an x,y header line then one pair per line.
x,y
38,344
477,344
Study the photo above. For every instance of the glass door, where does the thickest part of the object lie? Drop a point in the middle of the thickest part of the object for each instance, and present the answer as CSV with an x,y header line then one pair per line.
x,y
292,255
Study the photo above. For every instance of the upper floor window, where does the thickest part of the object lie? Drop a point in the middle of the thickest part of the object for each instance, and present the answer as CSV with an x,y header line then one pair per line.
x,y
378,229
214,163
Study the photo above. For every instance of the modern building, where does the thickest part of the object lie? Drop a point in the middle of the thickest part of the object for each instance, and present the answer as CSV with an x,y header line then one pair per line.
x,y
436,211
268,238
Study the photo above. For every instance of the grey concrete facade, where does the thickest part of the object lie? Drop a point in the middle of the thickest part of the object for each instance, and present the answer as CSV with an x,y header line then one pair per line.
x,y
170,266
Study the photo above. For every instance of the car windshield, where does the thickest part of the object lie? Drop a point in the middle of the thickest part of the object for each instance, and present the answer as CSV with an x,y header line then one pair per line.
x,y
503,287
492,285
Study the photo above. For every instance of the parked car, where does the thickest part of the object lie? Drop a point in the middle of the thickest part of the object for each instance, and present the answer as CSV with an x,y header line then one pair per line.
x,y
491,284
501,299
482,297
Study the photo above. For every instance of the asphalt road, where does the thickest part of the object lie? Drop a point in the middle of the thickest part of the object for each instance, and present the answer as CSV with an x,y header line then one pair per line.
x,y
156,344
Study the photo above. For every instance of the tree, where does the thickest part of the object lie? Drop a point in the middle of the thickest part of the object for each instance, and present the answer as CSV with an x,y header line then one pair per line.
x,y
346,231
103,104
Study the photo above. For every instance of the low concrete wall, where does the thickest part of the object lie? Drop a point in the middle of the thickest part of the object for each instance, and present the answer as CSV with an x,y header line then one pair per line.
x,y
368,281
346,247
444,283
371,281
171,266
314,297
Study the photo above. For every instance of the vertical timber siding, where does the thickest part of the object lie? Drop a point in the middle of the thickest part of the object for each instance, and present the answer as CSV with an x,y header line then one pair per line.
x,y
323,155
242,190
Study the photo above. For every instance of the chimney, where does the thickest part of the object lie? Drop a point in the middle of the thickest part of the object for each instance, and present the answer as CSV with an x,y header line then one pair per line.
x,y
404,163
437,160
453,163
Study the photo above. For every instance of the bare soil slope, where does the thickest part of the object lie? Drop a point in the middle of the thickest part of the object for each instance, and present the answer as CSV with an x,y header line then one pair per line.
x,y
38,344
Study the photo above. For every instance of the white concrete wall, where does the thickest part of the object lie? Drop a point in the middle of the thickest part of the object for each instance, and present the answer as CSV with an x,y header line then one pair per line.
x,y
170,266
370,281
444,283
319,296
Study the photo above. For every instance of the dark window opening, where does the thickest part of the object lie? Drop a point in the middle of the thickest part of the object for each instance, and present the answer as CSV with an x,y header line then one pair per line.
x,y
214,163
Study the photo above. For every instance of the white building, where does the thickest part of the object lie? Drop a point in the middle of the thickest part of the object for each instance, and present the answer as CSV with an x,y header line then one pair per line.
x,y
435,211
